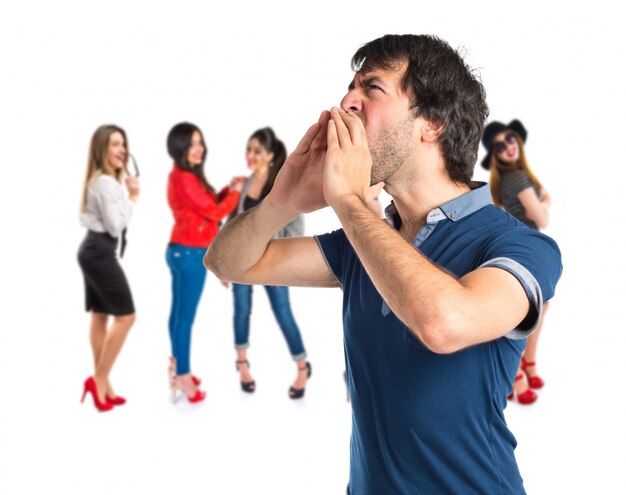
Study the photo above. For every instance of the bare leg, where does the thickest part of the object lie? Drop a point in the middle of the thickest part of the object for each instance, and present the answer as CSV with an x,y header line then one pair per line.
x,y
521,385
97,333
111,346
243,366
186,384
302,376
530,353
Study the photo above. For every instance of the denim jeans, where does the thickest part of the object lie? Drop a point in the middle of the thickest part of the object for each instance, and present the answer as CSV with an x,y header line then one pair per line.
x,y
188,276
279,299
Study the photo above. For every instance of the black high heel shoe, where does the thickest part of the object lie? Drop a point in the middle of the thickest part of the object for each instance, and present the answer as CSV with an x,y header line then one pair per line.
x,y
246,386
298,393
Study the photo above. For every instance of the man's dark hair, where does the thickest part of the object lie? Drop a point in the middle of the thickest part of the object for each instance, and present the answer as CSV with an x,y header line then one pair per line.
x,y
443,89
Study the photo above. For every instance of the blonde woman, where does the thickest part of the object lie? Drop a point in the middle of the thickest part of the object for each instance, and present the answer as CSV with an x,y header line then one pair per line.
x,y
106,211
515,188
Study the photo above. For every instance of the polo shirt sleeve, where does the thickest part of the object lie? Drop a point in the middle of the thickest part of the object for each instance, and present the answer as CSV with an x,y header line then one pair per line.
x,y
332,246
535,260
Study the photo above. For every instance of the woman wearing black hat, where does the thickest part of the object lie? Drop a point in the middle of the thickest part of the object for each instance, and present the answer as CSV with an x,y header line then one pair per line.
x,y
516,188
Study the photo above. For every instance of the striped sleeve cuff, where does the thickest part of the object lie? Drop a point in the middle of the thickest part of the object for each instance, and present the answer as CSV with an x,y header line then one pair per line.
x,y
533,292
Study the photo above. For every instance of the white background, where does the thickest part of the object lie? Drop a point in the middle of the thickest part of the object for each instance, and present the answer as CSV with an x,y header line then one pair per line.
x,y
67,67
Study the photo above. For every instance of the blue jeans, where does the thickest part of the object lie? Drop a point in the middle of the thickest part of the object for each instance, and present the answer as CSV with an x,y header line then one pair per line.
x,y
279,299
188,276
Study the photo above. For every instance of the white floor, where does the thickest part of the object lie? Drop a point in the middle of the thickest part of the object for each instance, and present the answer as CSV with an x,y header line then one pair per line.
x,y
232,443
569,441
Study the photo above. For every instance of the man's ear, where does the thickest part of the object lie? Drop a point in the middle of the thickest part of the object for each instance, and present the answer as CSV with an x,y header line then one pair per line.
x,y
431,131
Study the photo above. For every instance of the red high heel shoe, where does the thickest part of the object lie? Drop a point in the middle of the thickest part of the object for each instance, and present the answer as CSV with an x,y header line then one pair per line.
x,y
118,400
171,368
198,396
526,397
533,381
90,386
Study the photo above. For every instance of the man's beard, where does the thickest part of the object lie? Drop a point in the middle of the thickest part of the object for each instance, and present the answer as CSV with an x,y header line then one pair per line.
x,y
390,150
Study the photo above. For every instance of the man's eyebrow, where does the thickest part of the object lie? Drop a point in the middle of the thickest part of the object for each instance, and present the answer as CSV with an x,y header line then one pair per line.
x,y
371,80
365,81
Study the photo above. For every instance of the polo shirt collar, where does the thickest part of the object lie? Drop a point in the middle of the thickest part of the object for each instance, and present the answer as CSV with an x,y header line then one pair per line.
x,y
478,197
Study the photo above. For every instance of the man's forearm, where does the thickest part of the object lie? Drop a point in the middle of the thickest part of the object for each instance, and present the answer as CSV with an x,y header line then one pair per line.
x,y
242,242
411,285
447,314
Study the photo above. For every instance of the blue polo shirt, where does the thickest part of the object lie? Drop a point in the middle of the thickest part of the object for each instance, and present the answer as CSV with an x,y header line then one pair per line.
x,y
427,423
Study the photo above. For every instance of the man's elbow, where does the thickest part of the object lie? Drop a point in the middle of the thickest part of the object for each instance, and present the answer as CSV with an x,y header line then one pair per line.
x,y
221,266
439,334
210,263
439,342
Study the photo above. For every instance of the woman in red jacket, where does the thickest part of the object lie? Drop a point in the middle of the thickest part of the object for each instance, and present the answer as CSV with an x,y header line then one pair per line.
x,y
197,211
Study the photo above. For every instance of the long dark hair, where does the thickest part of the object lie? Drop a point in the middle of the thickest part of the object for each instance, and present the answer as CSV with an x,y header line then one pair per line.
x,y
272,144
178,144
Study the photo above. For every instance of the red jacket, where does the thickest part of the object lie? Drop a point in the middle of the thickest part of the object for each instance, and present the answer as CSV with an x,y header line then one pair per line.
x,y
196,211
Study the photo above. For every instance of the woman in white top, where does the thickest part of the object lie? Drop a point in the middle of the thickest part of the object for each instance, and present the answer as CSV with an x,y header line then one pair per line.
x,y
105,212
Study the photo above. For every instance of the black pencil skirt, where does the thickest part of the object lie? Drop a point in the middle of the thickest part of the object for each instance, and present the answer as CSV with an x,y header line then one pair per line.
x,y
106,288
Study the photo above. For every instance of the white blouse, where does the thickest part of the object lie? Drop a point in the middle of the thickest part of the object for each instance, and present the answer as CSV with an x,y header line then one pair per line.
x,y
108,209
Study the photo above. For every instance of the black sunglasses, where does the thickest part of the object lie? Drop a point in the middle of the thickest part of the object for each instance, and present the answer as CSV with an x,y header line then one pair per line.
x,y
135,167
500,146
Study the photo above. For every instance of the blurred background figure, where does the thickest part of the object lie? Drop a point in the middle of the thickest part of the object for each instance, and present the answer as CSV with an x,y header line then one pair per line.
x,y
265,155
516,188
197,211
105,212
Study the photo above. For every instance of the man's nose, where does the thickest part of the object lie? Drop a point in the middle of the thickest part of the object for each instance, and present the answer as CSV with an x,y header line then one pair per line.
x,y
352,102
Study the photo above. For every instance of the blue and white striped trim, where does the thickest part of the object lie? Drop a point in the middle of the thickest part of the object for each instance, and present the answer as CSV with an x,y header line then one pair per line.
x,y
531,286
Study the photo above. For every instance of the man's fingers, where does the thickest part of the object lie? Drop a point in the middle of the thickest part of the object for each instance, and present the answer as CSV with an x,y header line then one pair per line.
x,y
332,142
355,127
374,190
343,135
307,139
324,118
350,128
319,142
